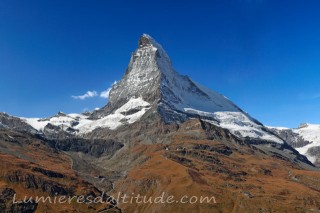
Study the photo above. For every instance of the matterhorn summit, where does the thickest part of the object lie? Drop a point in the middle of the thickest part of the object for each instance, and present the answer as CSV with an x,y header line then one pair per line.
x,y
150,84
150,75
151,87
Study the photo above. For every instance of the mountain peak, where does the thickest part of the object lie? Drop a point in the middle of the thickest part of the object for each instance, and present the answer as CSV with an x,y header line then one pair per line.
x,y
148,44
145,40
150,80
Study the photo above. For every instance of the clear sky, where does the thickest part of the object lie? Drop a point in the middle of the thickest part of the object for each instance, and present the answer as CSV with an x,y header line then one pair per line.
x,y
262,54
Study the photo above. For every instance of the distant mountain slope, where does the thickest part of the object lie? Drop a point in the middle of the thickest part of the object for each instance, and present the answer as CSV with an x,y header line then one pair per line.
x,y
305,139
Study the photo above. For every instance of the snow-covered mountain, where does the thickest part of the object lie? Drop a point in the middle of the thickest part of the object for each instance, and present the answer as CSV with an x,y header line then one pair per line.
x,y
305,139
150,84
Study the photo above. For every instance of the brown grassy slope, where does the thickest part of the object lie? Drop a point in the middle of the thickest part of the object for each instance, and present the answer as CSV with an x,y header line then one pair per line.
x,y
243,181
31,168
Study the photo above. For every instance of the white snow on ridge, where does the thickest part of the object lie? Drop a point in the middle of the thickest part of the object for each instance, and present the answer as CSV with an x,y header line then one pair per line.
x,y
277,127
311,133
84,125
64,120
238,124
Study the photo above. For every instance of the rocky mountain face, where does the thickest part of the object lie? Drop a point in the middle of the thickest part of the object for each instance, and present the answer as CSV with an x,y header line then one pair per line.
x,y
150,76
15,123
159,132
151,86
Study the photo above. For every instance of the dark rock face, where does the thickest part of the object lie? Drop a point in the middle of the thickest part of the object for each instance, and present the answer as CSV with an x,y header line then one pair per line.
x,y
216,133
7,205
93,147
292,138
315,151
48,173
14,123
56,132
144,41
31,181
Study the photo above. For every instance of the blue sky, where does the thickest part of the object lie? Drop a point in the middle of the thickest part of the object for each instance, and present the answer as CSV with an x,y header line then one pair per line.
x,y
262,54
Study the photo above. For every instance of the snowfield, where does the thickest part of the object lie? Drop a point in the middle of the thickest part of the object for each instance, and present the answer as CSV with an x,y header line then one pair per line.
x,y
310,133
81,122
118,118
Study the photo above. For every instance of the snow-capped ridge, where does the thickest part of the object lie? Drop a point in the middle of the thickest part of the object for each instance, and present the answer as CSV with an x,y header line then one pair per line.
x,y
60,120
129,113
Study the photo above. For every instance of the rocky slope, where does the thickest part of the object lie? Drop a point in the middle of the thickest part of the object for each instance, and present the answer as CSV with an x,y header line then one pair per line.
x,y
15,123
30,167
